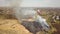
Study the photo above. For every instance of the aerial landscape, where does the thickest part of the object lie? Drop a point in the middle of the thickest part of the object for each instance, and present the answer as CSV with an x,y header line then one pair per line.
x,y
29,16
9,24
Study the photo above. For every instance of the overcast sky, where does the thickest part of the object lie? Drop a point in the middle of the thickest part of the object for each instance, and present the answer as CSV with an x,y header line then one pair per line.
x,y
32,3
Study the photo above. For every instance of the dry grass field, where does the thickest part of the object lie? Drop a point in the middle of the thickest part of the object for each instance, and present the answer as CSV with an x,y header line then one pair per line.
x,y
10,25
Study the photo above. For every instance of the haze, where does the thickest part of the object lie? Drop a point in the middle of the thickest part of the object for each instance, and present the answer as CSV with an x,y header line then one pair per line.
x,y
31,3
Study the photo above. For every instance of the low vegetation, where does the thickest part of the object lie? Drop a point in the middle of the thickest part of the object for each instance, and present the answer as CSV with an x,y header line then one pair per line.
x,y
46,13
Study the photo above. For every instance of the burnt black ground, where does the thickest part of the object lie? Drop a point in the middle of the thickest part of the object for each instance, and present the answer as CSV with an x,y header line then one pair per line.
x,y
33,27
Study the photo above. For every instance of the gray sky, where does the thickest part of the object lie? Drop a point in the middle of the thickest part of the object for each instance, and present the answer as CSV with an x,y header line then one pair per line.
x,y
32,3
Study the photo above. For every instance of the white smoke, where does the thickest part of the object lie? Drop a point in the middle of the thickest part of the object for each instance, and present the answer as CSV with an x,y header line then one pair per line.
x,y
43,22
24,13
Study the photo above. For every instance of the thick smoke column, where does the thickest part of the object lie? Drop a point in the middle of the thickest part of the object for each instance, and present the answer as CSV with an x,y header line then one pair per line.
x,y
26,13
